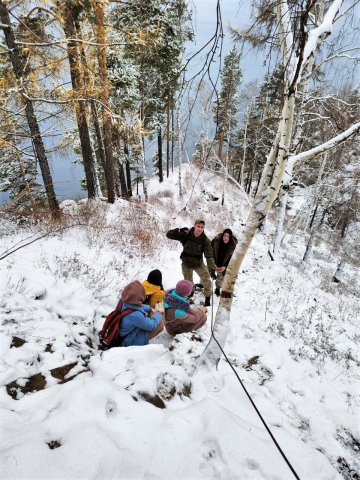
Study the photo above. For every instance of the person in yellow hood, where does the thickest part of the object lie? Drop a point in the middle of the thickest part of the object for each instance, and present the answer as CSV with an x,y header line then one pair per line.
x,y
153,288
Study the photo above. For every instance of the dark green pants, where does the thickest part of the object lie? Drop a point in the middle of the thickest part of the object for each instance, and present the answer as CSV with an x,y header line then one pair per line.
x,y
203,273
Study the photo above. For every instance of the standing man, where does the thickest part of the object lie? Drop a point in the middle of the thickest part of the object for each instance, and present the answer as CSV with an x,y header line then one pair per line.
x,y
223,246
196,244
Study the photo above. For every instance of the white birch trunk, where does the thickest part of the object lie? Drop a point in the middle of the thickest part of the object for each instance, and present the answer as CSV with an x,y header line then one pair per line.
x,y
274,168
263,201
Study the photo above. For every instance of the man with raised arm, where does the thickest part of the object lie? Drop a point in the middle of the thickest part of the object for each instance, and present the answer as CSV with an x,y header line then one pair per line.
x,y
195,245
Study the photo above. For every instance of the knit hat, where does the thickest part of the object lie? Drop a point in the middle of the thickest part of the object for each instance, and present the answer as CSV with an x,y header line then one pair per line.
x,y
199,220
184,288
155,278
227,230
134,293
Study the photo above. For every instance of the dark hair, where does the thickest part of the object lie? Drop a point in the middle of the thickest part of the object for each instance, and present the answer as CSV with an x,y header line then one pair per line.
x,y
155,278
227,230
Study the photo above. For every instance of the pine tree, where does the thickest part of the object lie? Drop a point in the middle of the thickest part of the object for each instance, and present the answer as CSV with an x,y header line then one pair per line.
x,y
69,12
22,76
259,129
155,35
226,105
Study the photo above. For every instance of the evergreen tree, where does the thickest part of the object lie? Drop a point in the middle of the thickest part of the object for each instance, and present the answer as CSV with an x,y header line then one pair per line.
x,y
263,117
21,73
226,105
155,35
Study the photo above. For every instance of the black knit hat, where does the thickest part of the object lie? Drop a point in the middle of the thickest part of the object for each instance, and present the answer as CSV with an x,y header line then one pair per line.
x,y
227,230
155,278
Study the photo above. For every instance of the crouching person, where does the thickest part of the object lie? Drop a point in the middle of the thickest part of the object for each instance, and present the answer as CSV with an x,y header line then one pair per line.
x,y
154,289
137,328
180,317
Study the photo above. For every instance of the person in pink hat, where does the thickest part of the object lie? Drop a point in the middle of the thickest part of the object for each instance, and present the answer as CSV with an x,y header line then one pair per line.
x,y
180,317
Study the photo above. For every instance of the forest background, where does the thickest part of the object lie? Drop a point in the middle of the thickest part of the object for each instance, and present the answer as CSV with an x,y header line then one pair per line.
x,y
117,69
113,84
115,133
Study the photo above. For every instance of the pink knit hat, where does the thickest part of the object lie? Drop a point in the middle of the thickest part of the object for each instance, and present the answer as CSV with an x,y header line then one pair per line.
x,y
184,288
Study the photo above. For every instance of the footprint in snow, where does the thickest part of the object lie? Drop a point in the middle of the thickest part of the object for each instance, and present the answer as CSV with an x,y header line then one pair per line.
x,y
212,463
110,408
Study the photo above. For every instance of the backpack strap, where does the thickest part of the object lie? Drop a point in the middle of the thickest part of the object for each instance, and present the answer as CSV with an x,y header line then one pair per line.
x,y
109,333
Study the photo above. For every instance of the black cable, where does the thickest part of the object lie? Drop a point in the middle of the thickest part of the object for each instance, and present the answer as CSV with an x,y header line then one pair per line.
x,y
255,407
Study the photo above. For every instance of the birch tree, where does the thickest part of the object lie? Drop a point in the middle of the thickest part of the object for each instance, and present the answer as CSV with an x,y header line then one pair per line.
x,y
298,43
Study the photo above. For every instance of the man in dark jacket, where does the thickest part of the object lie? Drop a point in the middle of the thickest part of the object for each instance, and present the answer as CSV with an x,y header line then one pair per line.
x,y
195,245
223,246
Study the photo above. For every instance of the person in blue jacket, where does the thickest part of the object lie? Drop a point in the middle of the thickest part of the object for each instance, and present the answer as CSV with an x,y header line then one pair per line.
x,y
137,328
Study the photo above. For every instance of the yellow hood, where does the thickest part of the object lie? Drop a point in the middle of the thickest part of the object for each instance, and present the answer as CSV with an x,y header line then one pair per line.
x,y
150,289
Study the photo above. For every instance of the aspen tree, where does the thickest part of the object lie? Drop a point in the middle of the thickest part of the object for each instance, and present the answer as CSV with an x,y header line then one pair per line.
x,y
298,45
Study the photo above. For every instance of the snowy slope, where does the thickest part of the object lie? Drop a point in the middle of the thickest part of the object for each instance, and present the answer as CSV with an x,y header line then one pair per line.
x,y
70,411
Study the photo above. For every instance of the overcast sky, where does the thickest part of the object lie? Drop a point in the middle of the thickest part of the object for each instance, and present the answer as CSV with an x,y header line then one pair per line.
x,y
233,12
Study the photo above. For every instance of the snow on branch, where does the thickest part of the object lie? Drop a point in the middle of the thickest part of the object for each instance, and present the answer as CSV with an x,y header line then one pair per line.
x,y
333,142
315,37
323,30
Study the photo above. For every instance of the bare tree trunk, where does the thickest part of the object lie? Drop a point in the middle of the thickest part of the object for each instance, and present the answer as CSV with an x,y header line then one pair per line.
x,y
168,133
226,163
279,233
122,181
100,151
142,159
313,206
124,189
160,161
107,129
312,237
180,151
99,139
313,215
172,140
27,186
127,168
221,144
337,278
80,106
18,68
240,178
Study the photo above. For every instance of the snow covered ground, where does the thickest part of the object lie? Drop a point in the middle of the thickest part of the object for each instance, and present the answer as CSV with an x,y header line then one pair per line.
x,y
70,411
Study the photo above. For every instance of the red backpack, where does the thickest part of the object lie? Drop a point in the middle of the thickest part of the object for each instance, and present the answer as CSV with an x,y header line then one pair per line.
x,y
109,335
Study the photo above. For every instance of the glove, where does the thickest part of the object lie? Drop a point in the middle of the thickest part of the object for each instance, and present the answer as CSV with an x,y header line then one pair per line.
x,y
213,274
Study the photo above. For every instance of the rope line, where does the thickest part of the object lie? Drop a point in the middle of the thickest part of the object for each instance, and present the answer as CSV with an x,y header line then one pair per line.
x,y
251,400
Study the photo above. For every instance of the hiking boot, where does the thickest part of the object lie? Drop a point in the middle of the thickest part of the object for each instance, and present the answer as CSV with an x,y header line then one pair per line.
x,y
217,291
207,302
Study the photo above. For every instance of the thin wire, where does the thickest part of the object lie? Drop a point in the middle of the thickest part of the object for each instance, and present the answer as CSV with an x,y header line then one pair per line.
x,y
252,402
